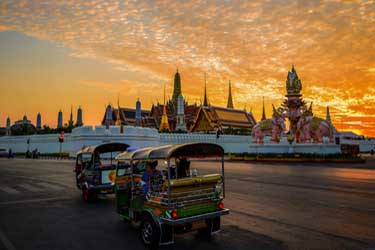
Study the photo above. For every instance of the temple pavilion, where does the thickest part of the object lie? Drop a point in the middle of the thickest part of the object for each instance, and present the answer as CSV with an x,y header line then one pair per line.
x,y
204,118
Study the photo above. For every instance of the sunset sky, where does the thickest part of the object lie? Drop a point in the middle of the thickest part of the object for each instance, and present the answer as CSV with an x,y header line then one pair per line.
x,y
54,54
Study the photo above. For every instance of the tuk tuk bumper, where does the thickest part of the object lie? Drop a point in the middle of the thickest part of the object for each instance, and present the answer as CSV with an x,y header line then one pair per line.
x,y
106,188
190,219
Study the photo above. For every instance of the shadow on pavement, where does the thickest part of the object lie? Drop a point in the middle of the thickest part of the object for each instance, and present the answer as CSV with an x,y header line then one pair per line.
x,y
231,237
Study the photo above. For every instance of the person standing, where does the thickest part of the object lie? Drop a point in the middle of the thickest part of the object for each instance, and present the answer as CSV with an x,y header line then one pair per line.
x,y
10,153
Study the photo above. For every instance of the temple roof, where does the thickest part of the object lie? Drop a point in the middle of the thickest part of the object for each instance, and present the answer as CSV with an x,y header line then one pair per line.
x,y
223,117
233,117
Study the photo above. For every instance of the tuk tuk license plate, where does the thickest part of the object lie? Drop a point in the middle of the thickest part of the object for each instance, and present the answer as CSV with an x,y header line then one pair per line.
x,y
198,224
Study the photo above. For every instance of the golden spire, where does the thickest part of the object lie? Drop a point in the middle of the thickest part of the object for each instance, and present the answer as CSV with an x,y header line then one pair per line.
x,y
205,101
230,101
264,112
164,124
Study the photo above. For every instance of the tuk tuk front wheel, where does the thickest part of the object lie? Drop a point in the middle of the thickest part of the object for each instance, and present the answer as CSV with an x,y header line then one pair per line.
x,y
150,233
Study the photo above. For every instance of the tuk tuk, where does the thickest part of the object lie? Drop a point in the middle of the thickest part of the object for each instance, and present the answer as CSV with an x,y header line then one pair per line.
x,y
157,191
95,169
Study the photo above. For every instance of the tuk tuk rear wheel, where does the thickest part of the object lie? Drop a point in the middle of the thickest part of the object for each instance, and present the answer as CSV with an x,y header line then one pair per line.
x,y
150,232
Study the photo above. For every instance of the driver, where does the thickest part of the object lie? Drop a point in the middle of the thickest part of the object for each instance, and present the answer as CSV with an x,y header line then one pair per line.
x,y
150,172
183,168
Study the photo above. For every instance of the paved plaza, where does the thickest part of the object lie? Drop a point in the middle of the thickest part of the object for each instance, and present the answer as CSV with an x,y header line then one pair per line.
x,y
273,206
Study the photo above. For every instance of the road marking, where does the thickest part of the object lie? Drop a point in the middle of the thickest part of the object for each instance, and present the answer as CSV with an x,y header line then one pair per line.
x,y
30,188
6,242
50,186
9,190
34,200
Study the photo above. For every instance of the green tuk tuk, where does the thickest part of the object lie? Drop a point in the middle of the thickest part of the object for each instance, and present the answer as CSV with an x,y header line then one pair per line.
x,y
170,198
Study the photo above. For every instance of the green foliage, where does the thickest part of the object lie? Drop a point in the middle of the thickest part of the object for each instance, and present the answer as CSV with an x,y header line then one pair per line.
x,y
26,129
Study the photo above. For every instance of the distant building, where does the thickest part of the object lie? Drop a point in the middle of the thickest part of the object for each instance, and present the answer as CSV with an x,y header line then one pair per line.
x,y
22,127
38,121
79,117
127,116
60,119
183,116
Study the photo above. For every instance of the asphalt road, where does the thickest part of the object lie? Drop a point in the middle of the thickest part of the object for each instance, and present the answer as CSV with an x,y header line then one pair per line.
x,y
272,207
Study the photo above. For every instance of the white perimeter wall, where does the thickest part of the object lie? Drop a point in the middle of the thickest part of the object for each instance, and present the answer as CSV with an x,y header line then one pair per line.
x,y
142,137
240,144
82,136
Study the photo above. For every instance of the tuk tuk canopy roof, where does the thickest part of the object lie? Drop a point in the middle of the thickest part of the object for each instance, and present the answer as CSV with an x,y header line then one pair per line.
x,y
197,150
104,148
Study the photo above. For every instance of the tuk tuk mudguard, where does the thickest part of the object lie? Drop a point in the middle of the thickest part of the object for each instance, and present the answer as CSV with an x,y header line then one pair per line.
x,y
166,230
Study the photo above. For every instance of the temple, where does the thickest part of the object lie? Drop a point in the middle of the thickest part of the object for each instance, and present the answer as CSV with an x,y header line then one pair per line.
x,y
177,115
228,120
153,118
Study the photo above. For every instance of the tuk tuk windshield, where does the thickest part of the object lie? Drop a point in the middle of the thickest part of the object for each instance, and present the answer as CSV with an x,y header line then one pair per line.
x,y
86,157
